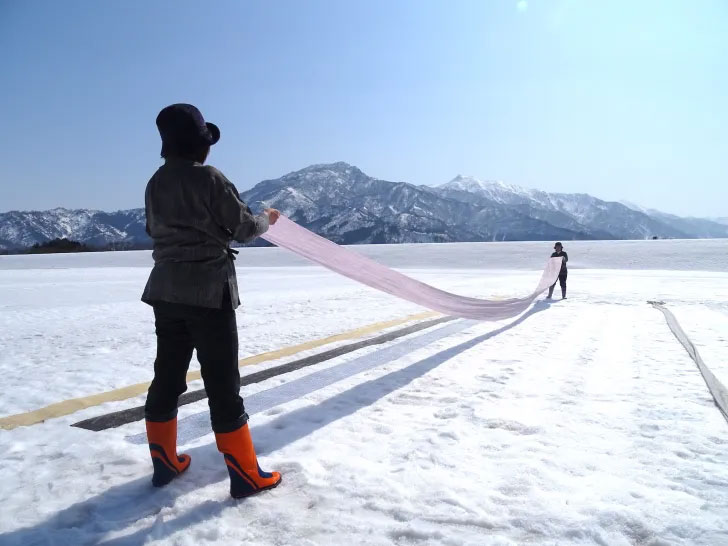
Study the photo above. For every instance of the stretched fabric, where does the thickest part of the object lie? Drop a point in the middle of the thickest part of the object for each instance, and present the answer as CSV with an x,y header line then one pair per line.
x,y
289,235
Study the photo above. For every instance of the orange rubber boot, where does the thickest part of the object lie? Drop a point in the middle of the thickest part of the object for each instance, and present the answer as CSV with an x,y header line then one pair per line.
x,y
162,438
246,477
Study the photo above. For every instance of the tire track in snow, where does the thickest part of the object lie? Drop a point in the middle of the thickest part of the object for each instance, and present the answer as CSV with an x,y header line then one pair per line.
x,y
551,458
631,431
598,437
432,405
506,399
671,406
537,387
519,402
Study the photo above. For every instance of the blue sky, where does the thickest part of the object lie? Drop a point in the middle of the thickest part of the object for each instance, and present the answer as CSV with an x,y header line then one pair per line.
x,y
620,99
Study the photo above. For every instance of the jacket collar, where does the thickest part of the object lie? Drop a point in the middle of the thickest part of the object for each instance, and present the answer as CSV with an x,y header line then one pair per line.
x,y
180,161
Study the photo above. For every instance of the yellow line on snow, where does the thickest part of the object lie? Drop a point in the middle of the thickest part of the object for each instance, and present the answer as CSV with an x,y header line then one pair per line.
x,y
73,405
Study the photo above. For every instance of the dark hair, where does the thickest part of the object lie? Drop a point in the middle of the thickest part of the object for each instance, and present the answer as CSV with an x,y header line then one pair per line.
x,y
186,150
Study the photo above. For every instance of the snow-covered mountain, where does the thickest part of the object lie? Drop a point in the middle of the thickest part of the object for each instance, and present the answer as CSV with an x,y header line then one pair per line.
x,y
701,228
342,203
582,212
695,227
24,229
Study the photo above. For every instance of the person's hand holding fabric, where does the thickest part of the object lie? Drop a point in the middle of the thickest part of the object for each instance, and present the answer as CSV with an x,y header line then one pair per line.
x,y
273,215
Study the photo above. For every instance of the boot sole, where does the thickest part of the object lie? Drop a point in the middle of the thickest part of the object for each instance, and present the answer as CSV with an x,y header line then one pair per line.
x,y
163,475
266,488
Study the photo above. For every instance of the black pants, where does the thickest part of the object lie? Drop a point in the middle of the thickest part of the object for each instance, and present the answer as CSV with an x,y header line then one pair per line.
x,y
214,333
562,282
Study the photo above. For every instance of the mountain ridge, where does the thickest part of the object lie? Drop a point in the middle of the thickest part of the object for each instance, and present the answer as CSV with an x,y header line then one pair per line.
x,y
341,202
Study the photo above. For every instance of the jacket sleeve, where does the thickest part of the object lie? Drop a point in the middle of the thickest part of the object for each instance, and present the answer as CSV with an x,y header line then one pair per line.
x,y
147,209
231,213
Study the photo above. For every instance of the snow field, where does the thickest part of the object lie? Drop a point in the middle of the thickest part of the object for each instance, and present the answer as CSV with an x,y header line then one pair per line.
x,y
582,422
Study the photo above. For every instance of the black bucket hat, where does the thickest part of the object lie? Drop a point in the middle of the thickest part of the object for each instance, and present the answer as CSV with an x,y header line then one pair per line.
x,y
183,129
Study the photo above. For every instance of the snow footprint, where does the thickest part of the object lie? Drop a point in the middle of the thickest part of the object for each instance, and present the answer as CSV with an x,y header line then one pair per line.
x,y
512,426
446,413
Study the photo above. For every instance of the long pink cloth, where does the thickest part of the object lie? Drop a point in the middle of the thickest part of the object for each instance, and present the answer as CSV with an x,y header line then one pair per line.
x,y
289,235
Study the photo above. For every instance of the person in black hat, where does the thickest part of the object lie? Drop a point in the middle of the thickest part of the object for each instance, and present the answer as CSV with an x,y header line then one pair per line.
x,y
193,214
559,253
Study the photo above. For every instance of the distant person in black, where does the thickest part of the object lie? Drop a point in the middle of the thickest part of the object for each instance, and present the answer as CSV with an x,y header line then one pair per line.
x,y
559,253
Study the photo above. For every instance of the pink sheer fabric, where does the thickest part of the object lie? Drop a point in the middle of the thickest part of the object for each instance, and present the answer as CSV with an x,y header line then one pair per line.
x,y
289,235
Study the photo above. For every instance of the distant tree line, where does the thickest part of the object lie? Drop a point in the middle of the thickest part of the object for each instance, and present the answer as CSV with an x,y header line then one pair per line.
x,y
58,246
65,245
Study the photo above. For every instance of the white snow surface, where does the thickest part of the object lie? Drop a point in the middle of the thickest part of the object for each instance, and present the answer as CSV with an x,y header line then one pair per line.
x,y
581,422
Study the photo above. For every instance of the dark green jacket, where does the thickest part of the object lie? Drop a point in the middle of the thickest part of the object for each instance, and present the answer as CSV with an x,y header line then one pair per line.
x,y
193,214
564,255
